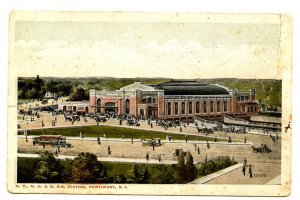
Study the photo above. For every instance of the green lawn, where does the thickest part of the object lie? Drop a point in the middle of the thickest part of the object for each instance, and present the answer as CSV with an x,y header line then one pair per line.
x,y
112,132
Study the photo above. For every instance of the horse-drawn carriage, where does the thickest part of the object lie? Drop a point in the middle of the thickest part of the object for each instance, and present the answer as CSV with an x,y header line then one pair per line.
x,y
262,149
152,142
72,118
132,122
100,118
205,130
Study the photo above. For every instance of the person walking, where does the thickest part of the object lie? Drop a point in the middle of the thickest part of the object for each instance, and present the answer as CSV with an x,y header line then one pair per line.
x,y
186,139
245,162
245,140
153,146
250,171
207,144
205,159
198,150
147,157
159,158
108,150
244,170
229,139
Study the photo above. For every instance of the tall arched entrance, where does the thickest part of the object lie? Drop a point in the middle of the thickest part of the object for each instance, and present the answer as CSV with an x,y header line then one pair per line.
x,y
98,106
127,106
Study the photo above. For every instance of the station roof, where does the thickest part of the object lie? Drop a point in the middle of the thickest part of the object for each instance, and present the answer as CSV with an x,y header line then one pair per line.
x,y
190,88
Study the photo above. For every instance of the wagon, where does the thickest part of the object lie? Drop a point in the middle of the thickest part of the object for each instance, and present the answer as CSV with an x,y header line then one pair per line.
x,y
152,142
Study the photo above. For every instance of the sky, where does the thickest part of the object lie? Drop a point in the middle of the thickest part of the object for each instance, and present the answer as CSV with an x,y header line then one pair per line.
x,y
147,49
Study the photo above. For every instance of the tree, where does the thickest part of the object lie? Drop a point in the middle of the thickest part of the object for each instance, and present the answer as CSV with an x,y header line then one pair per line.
x,y
190,168
135,173
42,172
181,168
162,174
186,171
31,94
25,170
78,95
144,177
86,168
38,83
48,170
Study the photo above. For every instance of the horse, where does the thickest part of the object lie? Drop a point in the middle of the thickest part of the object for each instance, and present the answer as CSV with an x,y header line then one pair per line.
x,y
255,149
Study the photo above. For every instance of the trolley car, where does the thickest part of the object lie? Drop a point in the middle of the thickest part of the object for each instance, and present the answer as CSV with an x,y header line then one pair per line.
x,y
52,140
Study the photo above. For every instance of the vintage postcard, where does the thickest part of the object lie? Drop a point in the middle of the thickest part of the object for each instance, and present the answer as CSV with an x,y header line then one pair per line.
x,y
150,103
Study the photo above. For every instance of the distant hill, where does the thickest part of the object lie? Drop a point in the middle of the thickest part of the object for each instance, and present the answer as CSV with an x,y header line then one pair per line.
x,y
268,91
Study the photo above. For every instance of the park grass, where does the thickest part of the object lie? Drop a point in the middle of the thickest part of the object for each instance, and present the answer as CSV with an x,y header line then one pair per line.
x,y
114,132
118,168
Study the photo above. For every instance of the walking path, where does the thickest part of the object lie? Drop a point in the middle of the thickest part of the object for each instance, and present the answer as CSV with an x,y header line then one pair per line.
x,y
107,159
210,177
139,140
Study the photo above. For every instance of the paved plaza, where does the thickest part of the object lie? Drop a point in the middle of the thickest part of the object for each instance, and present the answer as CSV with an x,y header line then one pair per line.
x,y
265,166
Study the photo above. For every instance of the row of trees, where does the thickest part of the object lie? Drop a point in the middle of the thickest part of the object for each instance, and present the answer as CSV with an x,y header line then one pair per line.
x,y
85,168
35,88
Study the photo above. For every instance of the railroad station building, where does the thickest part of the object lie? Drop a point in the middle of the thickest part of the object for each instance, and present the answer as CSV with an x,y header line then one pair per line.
x,y
175,100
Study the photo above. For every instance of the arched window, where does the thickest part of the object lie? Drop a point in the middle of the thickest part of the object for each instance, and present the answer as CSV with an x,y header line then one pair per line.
x,y
204,107
211,106
98,105
176,108
127,106
149,100
218,106
190,107
182,108
169,108
197,107
225,106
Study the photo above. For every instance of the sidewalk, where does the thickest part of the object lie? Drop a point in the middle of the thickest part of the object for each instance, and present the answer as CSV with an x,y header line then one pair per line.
x,y
217,174
106,159
102,139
